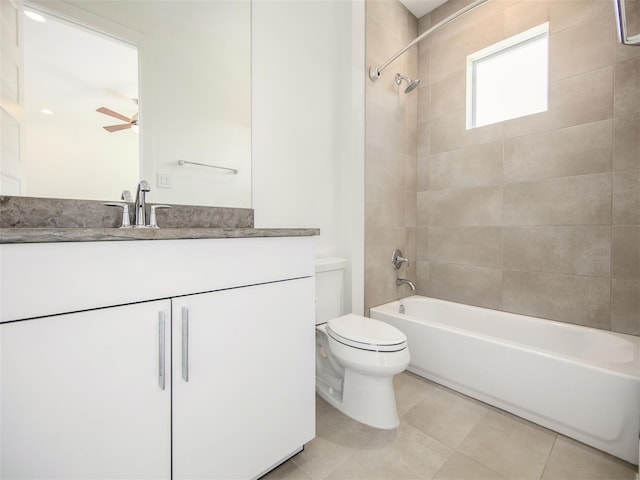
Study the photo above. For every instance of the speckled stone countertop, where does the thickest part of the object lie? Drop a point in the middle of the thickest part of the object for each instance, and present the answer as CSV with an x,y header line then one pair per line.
x,y
46,220
50,235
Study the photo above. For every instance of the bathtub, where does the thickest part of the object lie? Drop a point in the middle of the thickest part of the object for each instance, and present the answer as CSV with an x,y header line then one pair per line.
x,y
581,382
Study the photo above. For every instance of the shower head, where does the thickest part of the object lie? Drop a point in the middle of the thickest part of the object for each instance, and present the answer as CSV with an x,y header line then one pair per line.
x,y
411,84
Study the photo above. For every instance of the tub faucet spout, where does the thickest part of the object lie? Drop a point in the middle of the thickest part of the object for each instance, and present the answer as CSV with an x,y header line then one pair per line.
x,y
404,281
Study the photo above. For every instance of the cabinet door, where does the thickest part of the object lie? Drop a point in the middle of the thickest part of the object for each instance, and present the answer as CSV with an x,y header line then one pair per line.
x,y
245,398
81,395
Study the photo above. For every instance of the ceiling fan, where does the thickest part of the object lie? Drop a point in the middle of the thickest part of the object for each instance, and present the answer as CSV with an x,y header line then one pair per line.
x,y
131,122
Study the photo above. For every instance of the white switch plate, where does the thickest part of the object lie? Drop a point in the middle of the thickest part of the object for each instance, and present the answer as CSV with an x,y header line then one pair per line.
x,y
164,180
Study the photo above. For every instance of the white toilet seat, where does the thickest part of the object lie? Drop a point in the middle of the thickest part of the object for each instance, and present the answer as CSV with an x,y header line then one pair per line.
x,y
366,334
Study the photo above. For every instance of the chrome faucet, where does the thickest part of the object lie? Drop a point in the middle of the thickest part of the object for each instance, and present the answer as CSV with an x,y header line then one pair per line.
x,y
141,204
404,281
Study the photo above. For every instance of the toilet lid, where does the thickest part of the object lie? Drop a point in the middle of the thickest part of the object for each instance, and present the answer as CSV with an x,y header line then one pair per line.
x,y
366,333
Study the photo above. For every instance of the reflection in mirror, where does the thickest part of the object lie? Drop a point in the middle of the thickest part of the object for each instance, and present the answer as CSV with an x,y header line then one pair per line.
x,y
194,101
70,72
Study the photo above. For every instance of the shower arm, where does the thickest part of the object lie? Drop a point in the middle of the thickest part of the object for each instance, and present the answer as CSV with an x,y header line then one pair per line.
x,y
621,19
375,72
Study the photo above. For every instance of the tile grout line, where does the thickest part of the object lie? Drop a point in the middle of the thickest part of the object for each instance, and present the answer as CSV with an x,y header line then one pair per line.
x,y
546,464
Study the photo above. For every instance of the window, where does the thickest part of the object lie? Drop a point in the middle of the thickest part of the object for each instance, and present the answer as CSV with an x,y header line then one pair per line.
x,y
509,79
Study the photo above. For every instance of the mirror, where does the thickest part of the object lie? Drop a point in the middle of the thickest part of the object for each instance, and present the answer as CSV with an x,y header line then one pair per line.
x,y
194,102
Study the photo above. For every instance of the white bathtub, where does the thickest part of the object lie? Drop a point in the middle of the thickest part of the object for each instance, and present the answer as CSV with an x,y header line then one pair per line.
x,y
578,381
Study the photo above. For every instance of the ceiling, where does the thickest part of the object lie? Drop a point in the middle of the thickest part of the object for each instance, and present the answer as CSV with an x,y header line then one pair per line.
x,y
421,7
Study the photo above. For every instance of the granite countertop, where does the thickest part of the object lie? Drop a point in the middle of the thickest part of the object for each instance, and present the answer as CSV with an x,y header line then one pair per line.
x,y
51,235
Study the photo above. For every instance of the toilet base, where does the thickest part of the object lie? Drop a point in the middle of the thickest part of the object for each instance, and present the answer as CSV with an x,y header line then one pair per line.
x,y
355,400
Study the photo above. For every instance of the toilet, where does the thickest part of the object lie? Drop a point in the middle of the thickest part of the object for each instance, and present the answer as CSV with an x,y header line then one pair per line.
x,y
356,357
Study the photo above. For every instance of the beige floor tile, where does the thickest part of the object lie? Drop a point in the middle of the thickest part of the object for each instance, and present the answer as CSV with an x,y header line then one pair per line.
x,y
322,407
446,416
461,467
338,438
511,446
287,471
571,460
410,390
404,453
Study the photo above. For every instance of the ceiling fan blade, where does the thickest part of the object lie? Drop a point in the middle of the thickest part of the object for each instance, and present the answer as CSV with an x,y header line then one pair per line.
x,y
111,113
115,128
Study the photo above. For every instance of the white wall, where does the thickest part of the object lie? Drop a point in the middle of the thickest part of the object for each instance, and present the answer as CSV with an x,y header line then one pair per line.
x,y
308,125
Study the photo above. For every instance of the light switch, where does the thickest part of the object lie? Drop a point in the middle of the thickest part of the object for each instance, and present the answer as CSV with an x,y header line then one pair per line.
x,y
164,180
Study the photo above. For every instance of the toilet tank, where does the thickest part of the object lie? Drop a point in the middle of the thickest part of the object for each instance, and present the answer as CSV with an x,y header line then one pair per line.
x,y
329,288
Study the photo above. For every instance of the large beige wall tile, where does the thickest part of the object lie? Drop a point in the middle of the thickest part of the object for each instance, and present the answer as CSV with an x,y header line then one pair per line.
x,y
626,138
459,207
627,87
449,132
392,14
422,173
580,200
447,9
451,44
384,127
525,15
424,62
625,256
422,243
566,14
581,48
384,206
489,15
384,167
558,153
422,278
445,94
424,100
625,306
626,198
423,141
583,98
481,286
579,250
410,208
481,246
567,298
472,166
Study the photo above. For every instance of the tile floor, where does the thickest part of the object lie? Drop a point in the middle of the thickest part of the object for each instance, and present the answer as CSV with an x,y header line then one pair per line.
x,y
444,435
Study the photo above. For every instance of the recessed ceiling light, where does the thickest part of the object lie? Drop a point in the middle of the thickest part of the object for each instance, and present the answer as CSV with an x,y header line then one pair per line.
x,y
46,111
36,17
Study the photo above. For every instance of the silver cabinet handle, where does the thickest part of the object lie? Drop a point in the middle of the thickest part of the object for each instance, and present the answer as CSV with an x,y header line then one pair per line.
x,y
185,344
161,351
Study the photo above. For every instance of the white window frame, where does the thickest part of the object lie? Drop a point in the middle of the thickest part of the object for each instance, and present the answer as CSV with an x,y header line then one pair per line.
x,y
514,42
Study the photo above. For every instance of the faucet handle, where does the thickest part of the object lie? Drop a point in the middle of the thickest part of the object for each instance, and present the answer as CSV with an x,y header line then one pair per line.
x,y
153,217
126,196
126,221
397,260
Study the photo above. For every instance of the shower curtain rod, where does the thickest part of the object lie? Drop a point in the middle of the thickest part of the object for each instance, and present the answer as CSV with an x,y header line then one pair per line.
x,y
375,72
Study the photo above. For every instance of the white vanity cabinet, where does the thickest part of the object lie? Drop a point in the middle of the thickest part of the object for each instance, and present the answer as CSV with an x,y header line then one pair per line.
x,y
241,382
82,393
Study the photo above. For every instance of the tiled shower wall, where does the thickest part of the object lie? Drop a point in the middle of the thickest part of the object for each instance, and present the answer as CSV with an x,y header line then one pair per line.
x,y
390,171
538,215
